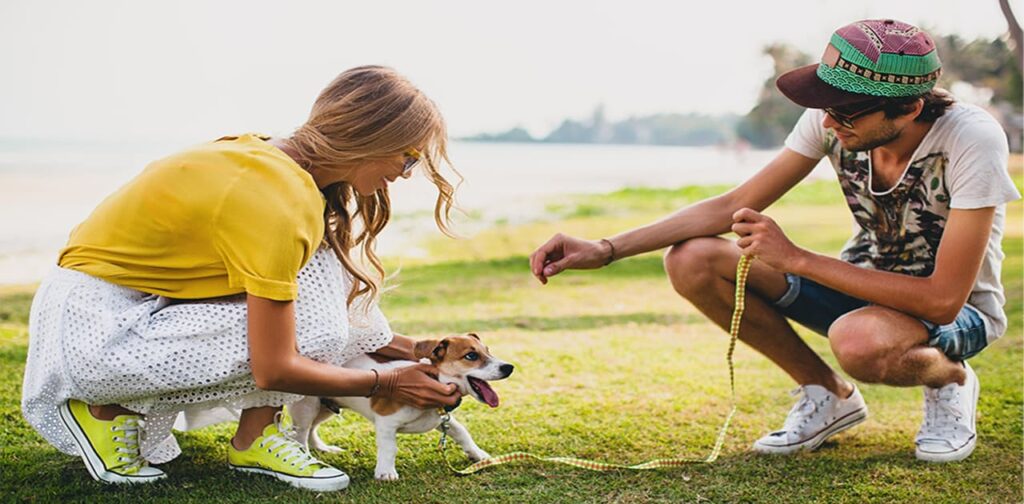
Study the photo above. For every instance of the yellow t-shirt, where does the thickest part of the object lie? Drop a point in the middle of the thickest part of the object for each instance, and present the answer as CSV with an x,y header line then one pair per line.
x,y
230,216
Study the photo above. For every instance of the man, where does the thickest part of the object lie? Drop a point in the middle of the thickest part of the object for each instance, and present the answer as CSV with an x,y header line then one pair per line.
x,y
916,291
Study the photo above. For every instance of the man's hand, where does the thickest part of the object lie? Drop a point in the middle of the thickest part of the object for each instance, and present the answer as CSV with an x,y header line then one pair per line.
x,y
564,252
761,237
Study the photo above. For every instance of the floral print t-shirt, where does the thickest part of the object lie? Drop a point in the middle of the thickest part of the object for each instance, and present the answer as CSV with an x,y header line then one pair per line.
x,y
961,163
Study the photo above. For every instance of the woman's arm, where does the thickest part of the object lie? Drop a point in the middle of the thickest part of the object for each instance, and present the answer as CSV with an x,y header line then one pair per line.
x,y
277,365
400,348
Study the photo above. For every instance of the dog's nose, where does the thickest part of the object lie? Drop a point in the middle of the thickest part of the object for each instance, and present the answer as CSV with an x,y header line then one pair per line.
x,y
506,369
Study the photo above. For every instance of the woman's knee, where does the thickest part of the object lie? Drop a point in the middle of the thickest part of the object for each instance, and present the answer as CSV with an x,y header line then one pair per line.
x,y
690,264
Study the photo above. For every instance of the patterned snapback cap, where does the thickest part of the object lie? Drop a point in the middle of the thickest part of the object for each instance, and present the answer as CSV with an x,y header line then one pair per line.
x,y
864,60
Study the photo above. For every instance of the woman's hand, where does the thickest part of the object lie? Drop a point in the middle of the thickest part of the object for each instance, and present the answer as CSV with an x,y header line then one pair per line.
x,y
417,386
564,252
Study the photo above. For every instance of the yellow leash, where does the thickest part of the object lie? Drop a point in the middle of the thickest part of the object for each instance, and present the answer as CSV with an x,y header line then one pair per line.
x,y
742,268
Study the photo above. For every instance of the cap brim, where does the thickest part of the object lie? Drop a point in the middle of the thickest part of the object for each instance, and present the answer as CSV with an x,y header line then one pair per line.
x,y
805,88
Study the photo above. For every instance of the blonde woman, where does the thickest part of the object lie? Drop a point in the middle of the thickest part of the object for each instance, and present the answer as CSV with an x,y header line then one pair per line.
x,y
221,279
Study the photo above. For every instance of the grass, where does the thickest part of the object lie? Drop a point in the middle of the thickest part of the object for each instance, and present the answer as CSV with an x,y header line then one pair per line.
x,y
611,365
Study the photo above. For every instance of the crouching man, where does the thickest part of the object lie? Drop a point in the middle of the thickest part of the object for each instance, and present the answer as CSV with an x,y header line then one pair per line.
x,y
916,291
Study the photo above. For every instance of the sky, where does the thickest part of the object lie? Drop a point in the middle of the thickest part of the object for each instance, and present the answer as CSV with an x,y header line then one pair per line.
x,y
195,70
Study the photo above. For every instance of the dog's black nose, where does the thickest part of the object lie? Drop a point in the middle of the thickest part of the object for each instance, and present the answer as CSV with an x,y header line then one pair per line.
x,y
506,369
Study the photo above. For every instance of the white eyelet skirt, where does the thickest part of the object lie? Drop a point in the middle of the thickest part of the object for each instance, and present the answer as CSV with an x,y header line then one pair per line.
x,y
101,343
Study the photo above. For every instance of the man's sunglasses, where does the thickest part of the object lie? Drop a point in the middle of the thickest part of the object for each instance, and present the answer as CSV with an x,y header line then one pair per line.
x,y
412,156
846,117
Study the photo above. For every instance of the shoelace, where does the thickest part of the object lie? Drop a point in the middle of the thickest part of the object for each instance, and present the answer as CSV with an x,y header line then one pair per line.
x,y
291,451
940,413
802,411
129,453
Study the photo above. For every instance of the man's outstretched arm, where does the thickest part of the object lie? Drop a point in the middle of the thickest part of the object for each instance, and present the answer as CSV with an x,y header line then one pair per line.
x,y
710,217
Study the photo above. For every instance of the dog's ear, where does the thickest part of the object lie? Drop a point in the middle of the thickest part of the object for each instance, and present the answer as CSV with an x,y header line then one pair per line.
x,y
473,335
424,348
430,349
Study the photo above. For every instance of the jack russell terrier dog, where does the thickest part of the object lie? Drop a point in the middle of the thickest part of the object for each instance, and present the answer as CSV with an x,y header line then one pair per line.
x,y
462,360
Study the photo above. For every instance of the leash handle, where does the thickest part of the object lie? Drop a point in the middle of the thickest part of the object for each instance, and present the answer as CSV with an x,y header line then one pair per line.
x,y
742,270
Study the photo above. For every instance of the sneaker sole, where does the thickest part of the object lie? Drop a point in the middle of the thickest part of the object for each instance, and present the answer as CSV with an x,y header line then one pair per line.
x,y
97,469
965,450
951,456
814,442
316,484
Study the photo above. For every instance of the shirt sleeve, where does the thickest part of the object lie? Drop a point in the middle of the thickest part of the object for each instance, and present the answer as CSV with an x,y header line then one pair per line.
x,y
808,136
977,175
264,239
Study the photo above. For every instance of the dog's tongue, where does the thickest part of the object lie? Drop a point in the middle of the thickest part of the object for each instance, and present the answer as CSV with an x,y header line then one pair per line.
x,y
488,394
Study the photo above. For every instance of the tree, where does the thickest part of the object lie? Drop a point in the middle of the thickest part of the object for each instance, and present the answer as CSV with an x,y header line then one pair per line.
x,y
1015,33
768,123
981,63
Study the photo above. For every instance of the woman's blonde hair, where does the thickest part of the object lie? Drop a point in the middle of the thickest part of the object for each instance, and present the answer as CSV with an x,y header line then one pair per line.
x,y
367,113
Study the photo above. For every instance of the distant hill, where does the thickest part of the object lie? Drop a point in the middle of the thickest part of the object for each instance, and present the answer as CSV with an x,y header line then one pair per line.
x,y
658,129
986,64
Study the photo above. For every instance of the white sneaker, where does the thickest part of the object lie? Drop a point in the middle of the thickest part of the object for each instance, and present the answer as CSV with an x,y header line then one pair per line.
x,y
818,415
948,433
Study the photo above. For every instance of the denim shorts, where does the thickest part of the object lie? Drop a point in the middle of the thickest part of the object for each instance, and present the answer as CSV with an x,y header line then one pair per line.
x,y
816,307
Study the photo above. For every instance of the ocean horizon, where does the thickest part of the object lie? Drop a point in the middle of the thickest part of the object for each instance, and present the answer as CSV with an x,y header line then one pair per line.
x,y
48,187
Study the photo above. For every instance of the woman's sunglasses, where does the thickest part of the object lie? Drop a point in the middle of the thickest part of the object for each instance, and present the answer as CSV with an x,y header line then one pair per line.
x,y
412,156
846,118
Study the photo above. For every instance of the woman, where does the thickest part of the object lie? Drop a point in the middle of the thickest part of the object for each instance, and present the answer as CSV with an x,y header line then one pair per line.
x,y
214,280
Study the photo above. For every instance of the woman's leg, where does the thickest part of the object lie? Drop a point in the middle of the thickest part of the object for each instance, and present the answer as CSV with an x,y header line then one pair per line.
x,y
108,412
251,423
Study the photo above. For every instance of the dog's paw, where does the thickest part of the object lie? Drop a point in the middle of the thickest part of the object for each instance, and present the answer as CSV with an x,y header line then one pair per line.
x,y
477,456
385,475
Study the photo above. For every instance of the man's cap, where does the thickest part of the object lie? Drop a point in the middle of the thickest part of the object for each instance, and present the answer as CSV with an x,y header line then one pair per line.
x,y
865,60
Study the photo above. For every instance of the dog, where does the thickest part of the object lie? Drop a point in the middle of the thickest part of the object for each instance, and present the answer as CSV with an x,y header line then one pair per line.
x,y
463,360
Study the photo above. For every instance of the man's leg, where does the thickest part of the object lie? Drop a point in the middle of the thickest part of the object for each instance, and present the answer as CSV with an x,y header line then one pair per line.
x,y
880,345
703,270
877,344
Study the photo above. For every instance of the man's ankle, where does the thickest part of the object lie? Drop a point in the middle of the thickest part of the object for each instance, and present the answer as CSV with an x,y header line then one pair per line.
x,y
841,388
956,374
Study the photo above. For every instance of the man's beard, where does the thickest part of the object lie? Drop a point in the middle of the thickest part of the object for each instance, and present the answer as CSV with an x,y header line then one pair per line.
x,y
885,133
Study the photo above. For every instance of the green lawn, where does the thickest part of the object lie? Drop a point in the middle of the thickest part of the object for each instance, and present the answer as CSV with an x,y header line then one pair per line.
x,y
610,365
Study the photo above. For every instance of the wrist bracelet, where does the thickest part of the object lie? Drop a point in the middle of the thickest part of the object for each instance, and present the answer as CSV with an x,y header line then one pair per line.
x,y
376,384
611,256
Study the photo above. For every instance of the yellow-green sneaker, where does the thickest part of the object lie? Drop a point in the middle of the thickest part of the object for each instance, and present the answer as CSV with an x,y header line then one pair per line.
x,y
276,454
110,448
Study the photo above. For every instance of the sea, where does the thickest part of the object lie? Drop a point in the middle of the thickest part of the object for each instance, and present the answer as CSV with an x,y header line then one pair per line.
x,y
47,186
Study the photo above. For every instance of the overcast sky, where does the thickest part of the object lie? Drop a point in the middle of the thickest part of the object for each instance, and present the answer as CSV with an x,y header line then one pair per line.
x,y
198,69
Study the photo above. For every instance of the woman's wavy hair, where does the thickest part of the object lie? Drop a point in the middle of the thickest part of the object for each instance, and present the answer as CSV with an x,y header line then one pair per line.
x,y
367,113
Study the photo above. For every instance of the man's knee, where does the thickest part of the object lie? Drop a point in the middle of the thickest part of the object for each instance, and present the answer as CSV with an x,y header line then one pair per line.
x,y
860,348
690,264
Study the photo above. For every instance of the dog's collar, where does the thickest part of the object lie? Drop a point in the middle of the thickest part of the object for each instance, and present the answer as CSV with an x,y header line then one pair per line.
x,y
449,409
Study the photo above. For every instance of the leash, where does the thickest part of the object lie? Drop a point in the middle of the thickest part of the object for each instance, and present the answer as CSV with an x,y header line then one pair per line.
x,y
742,268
